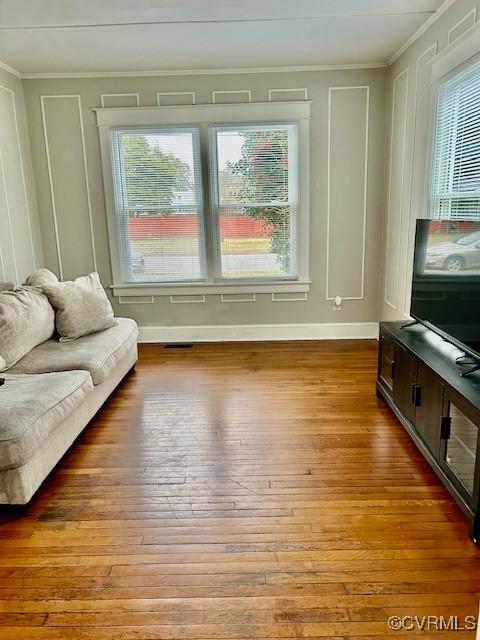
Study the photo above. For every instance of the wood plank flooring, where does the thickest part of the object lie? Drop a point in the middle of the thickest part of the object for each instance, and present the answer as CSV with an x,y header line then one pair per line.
x,y
238,491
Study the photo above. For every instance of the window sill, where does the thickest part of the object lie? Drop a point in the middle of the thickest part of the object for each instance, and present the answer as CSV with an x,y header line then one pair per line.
x,y
202,288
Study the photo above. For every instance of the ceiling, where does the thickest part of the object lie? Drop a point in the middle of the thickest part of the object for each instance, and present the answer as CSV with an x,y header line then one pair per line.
x,y
93,36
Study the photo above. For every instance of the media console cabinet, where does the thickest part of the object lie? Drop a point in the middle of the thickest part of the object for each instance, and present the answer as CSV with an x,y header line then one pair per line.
x,y
420,380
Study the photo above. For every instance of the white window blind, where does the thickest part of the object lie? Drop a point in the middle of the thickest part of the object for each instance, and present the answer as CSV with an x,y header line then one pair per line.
x,y
455,192
254,193
158,198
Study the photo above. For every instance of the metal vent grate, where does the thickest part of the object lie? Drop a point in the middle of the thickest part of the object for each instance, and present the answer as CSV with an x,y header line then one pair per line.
x,y
179,345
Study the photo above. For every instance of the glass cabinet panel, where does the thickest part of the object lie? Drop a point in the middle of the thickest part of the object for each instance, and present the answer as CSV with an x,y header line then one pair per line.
x,y
461,447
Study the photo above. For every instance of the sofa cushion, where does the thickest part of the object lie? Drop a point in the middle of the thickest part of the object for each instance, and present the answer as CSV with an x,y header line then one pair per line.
x,y
81,306
26,320
97,353
32,406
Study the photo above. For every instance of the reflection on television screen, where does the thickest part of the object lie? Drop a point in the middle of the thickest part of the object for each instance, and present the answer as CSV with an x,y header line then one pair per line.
x,y
446,280
453,248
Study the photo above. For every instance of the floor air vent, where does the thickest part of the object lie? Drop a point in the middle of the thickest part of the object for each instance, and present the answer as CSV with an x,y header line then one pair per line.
x,y
179,345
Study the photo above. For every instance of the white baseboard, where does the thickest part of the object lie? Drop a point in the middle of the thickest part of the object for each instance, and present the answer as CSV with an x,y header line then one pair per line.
x,y
259,332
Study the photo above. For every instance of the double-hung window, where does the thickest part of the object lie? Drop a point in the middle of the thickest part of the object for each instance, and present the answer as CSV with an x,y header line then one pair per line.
x,y
455,187
199,199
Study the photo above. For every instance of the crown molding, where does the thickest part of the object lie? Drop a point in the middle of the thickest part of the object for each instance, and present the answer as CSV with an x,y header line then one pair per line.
x,y
425,26
201,72
9,69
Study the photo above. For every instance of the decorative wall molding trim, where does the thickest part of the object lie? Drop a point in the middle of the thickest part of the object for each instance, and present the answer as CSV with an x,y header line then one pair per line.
x,y
290,297
52,191
455,54
434,48
236,297
9,216
260,332
471,14
273,91
137,300
236,91
28,210
412,213
2,266
174,93
425,26
365,192
87,185
43,98
119,95
405,72
188,299
200,72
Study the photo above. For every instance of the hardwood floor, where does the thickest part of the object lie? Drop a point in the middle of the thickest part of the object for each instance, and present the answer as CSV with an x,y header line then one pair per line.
x,y
239,491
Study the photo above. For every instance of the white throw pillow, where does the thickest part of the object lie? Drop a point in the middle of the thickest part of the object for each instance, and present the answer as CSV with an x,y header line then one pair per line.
x,y
26,320
81,306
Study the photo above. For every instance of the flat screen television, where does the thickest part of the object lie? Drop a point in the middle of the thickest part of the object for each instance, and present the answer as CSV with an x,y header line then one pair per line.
x,y
446,281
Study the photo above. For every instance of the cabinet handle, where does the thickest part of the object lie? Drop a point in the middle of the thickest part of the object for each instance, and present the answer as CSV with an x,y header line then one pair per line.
x,y
445,428
416,395
393,369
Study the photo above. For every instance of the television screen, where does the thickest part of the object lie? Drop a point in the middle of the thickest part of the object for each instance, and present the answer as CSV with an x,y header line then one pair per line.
x,y
446,280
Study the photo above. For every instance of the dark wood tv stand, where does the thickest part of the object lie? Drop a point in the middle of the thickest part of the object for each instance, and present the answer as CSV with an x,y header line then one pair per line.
x,y
420,380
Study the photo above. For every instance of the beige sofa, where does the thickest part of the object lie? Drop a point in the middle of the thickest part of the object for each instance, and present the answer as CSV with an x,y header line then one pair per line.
x,y
48,398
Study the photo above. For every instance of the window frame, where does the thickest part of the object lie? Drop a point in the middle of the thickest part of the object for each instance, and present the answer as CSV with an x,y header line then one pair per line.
x,y
216,205
206,118
434,197
120,208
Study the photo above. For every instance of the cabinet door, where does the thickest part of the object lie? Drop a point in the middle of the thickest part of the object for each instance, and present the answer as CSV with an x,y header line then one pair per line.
x,y
404,382
386,361
460,444
429,408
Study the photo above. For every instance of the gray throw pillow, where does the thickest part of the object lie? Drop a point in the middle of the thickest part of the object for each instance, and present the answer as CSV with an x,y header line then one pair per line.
x,y
40,278
26,320
81,306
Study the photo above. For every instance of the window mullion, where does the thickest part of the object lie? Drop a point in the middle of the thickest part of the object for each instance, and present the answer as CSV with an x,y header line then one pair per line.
x,y
208,205
213,192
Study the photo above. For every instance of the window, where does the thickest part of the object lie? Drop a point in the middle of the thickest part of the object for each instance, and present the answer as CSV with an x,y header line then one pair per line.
x,y
456,157
253,169
158,193
205,200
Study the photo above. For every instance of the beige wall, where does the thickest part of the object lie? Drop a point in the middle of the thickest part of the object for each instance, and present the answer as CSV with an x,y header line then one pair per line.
x,y
409,122
20,245
345,240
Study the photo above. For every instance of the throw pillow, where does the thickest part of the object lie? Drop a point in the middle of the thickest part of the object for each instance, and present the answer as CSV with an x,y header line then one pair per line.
x,y
26,320
81,306
40,278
